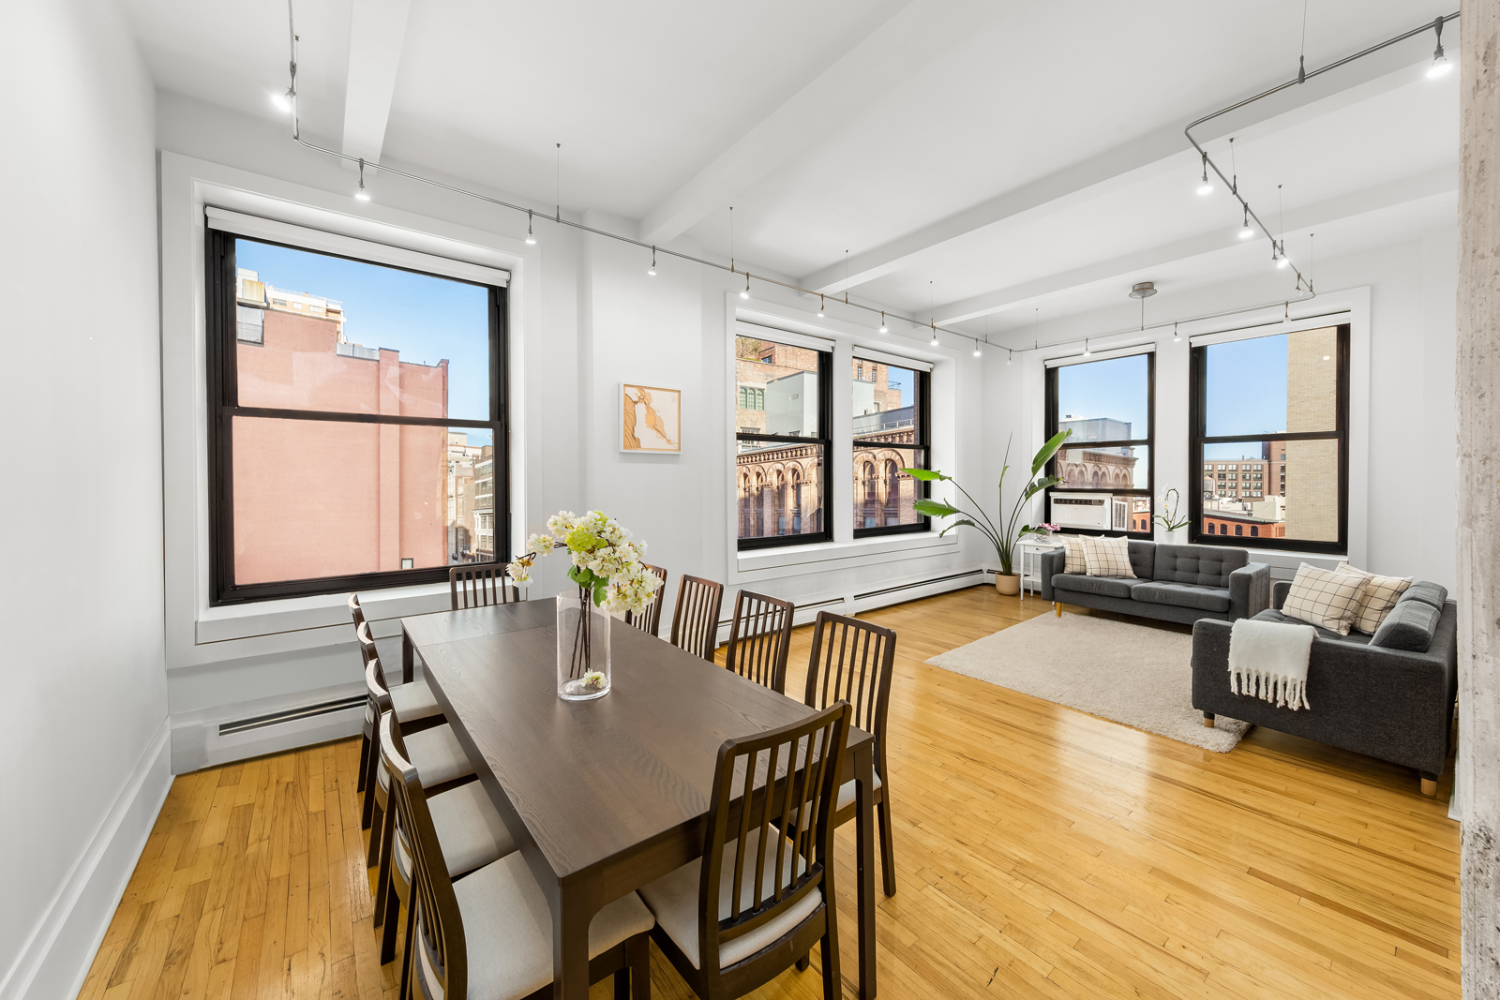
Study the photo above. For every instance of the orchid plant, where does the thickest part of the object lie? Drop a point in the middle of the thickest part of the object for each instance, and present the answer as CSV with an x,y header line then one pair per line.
x,y
1171,501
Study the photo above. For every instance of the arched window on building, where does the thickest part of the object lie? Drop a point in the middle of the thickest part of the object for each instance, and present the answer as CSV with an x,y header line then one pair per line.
x,y
870,509
796,488
781,503
892,493
759,499
1239,529
745,502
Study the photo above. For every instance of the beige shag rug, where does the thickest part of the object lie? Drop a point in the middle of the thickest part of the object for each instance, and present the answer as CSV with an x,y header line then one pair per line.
x,y
1132,674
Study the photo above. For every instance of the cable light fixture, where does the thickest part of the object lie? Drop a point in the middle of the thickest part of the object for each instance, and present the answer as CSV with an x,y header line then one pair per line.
x,y
1440,64
652,269
360,194
820,307
530,236
1009,355
934,334
1086,351
977,351
1207,186
883,327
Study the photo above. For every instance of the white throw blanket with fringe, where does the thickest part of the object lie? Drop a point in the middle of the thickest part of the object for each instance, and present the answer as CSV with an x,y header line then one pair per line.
x,y
1268,660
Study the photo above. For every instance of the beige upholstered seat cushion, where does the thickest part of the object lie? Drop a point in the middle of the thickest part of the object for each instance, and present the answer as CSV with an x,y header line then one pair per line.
x,y
1324,598
1379,597
436,755
414,702
1108,557
469,830
508,931
847,793
674,900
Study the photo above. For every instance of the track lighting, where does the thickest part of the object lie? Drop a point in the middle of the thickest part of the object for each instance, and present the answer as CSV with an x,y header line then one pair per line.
x,y
820,307
977,351
1245,231
1009,355
934,334
883,327
746,293
531,237
1086,351
361,194
1440,64
1176,337
283,102
1206,186
652,269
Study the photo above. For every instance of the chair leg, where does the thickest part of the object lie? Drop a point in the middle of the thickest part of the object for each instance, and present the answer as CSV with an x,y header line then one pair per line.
x,y
804,962
633,982
388,927
406,952
364,763
833,987
367,807
887,845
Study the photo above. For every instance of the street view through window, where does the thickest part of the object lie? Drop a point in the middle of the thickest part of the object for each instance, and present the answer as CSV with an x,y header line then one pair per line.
x,y
1107,406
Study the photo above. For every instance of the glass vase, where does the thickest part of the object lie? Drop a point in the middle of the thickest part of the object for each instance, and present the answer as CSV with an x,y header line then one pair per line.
x,y
582,648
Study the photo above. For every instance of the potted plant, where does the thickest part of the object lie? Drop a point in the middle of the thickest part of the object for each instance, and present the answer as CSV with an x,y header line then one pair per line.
x,y
1171,501
1007,581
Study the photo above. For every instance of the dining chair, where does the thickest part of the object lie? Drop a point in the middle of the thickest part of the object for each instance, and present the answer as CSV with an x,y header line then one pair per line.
x,y
367,733
415,705
438,758
760,637
480,586
757,901
853,660
502,911
695,619
469,829
648,620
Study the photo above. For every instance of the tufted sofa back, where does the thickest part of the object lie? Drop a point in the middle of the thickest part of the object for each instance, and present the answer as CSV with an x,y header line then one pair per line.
x,y
1142,559
1203,565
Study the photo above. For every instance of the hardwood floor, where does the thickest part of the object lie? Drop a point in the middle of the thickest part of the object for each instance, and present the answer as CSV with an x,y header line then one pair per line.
x,y
1040,852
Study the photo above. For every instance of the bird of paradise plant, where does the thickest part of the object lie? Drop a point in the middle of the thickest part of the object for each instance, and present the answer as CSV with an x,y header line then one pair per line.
x,y
1006,536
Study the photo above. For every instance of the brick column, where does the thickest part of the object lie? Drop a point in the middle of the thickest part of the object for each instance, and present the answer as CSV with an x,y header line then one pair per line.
x,y
1479,490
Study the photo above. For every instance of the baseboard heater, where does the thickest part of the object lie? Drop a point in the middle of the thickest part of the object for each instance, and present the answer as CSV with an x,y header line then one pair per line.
x,y
919,583
725,623
292,715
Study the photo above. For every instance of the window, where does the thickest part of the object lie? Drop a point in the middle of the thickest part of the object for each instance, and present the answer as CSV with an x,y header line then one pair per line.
x,y
357,422
782,443
1282,397
890,434
1109,406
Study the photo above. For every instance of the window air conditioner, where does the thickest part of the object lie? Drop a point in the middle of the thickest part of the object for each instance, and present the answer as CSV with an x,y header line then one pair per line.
x,y
1086,511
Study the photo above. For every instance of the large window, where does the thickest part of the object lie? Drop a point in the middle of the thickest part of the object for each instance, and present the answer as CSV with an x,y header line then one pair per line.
x,y
781,460
890,434
1109,405
357,422
1270,418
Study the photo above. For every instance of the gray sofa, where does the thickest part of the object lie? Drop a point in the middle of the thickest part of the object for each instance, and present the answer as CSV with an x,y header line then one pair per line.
x,y
1175,583
1389,695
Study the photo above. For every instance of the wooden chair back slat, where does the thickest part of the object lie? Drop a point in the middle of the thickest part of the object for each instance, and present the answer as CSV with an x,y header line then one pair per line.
x,y
852,661
695,619
760,639
480,586
794,770
435,907
649,619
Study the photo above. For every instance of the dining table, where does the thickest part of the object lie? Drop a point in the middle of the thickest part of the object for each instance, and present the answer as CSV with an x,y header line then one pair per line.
x,y
605,796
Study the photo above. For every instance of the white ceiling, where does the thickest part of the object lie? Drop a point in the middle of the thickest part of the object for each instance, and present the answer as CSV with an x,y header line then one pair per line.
x,y
975,159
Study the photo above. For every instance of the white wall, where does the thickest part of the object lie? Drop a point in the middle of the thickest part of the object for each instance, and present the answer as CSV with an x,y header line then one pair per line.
x,y
80,515
1403,472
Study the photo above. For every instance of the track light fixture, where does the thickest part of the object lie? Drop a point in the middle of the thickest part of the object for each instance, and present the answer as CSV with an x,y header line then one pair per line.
x,y
1176,337
1009,355
1245,231
746,293
883,327
652,269
1206,186
361,194
820,307
283,102
1086,351
531,237
1440,64
977,351
934,332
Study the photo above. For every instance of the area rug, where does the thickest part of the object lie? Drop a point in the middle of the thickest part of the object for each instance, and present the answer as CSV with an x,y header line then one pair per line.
x,y
1131,674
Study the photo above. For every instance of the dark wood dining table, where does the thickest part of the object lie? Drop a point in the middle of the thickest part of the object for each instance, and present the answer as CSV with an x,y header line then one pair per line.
x,y
605,796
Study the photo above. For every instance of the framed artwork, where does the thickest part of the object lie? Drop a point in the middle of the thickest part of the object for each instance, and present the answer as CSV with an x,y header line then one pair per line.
x,y
650,419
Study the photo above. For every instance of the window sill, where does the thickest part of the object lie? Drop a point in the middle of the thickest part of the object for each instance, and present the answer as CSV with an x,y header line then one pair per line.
x,y
298,614
838,555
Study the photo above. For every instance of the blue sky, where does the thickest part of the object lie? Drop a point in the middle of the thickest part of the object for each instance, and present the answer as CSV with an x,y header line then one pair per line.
x,y
427,319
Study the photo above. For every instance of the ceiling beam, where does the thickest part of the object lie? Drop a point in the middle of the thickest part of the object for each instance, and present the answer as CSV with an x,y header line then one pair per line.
x,y
912,38
1162,150
1362,202
377,31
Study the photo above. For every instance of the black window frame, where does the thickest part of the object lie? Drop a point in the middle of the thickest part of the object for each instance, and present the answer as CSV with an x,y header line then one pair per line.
x,y
1197,427
223,406
922,434
825,422
1148,442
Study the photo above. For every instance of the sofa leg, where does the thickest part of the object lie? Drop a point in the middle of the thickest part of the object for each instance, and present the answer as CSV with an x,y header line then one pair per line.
x,y
1058,608
1208,720
1429,784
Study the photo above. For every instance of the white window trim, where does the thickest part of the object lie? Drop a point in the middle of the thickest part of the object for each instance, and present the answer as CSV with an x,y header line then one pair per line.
x,y
773,321
195,630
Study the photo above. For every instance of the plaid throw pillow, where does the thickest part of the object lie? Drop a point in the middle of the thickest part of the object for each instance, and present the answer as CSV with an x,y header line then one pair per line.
x,y
1108,557
1378,598
1073,547
1324,598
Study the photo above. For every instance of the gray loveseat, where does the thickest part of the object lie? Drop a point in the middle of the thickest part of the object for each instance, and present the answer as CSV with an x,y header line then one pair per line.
x,y
1175,583
1389,695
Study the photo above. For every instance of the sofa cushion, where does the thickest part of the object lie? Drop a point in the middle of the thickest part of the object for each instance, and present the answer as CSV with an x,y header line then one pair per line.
x,y
1143,559
1272,615
1409,626
1108,557
1426,592
1104,586
1182,595
1200,565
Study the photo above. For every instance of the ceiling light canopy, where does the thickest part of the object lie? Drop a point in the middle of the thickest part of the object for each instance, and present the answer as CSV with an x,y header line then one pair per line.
x,y
1143,289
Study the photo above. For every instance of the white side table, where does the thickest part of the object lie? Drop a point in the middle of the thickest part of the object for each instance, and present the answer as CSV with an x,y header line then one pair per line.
x,y
1031,562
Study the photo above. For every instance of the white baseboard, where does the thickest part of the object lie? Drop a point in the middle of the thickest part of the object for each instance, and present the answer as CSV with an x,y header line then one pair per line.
x,y
55,960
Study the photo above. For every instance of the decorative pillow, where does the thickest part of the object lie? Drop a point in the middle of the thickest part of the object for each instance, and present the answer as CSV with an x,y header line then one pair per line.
x,y
1324,598
1410,627
1108,557
1381,593
1073,546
